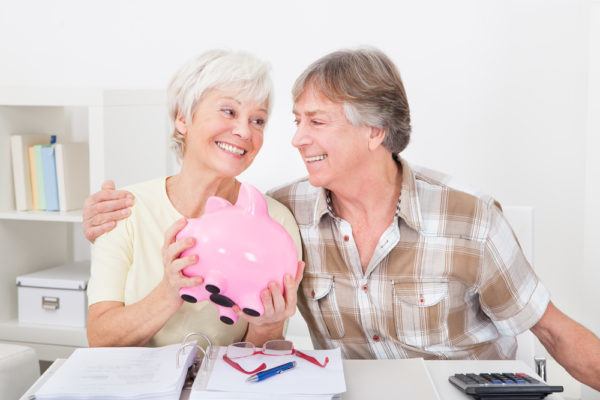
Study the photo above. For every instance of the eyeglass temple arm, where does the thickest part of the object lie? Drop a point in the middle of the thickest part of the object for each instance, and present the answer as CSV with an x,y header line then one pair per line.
x,y
311,359
239,367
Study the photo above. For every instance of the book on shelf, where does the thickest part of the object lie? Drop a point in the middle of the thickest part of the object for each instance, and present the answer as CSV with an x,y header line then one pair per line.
x,y
49,176
37,178
19,145
72,172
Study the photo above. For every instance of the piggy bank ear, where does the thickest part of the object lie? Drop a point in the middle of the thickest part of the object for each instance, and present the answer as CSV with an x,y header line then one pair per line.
x,y
251,200
215,203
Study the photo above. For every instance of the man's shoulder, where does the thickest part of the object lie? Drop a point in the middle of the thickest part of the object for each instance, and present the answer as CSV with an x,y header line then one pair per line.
x,y
449,207
299,197
292,191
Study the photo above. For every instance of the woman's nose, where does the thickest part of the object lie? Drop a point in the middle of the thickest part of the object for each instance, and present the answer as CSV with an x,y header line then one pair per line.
x,y
242,130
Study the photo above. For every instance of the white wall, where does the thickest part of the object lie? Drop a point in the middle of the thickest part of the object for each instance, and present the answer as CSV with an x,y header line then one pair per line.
x,y
504,94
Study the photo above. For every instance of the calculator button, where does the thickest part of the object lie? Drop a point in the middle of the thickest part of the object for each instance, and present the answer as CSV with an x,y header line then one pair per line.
x,y
462,378
510,376
477,378
499,377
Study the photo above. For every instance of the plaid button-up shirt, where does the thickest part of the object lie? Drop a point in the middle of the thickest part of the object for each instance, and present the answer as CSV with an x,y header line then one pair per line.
x,y
447,280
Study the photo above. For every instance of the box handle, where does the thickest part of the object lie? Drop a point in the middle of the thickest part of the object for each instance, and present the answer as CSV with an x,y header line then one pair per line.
x,y
50,303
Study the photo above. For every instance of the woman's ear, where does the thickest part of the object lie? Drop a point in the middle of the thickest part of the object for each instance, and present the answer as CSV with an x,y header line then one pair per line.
x,y
376,137
180,124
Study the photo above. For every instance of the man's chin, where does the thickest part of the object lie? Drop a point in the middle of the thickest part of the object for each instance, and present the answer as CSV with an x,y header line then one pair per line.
x,y
316,181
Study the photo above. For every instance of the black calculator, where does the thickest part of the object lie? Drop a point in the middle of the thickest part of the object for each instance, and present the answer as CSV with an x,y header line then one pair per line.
x,y
514,386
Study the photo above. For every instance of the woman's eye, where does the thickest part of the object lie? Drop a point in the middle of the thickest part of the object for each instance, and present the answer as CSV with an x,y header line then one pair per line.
x,y
259,122
228,111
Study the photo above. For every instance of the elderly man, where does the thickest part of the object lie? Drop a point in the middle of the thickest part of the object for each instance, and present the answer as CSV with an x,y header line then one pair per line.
x,y
398,262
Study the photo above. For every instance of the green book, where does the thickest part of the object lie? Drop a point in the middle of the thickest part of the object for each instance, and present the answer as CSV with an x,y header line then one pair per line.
x,y
39,176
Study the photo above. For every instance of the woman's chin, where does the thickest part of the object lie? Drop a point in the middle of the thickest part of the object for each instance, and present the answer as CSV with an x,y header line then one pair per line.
x,y
230,171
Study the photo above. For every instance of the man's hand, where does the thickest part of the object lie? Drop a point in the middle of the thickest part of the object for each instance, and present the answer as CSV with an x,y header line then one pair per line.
x,y
103,209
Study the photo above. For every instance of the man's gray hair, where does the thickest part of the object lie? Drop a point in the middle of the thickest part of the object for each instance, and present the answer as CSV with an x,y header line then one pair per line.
x,y
215,69
368,84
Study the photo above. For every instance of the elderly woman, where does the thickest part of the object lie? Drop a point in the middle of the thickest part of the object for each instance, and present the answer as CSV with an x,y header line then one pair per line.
x,y
219,105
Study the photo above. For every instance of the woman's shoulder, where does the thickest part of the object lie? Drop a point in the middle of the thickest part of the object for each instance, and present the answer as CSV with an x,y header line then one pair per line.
x,y
150,189
277,210
284,216
150,193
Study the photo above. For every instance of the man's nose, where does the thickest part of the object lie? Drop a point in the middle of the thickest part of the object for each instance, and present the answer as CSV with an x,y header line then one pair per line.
x,y
301,137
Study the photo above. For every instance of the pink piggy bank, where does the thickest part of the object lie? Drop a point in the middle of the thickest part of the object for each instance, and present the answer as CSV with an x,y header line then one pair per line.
x,y
240,250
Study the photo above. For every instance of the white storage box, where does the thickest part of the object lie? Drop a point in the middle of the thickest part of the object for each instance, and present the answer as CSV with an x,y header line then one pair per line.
x,y
55,296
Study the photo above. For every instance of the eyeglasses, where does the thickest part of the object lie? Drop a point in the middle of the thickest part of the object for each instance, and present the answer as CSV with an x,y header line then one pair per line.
x,y
270,348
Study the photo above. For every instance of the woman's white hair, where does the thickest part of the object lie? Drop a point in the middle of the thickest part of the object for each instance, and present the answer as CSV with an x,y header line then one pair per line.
x,y
215,69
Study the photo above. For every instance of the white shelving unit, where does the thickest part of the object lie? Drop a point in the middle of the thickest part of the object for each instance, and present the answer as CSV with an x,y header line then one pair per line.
x,y
127,136
68,216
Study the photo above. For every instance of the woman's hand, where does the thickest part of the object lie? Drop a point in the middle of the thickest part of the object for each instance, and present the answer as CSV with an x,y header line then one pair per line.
x,y
174,263
278,306
103,209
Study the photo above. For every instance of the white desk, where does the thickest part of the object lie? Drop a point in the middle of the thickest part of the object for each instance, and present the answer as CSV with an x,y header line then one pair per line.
x,y
378,379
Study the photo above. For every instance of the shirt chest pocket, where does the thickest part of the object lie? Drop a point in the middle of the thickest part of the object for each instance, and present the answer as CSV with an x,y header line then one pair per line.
x,y
319,291
421,312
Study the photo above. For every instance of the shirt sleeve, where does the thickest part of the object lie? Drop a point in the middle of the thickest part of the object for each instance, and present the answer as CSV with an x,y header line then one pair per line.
x,y
510,293
112,256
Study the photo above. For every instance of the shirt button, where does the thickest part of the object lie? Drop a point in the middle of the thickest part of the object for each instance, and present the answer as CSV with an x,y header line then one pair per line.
x,y
365,288
312,293
376,338
346,238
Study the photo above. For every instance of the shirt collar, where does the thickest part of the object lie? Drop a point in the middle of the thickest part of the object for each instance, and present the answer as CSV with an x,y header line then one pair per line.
x,y
407,207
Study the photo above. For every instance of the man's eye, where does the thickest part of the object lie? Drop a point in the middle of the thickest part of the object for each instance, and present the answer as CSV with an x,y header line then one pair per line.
x,y
315,122
296,122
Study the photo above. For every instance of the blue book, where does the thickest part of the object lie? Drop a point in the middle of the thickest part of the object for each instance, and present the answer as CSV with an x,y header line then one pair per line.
x,y
50,185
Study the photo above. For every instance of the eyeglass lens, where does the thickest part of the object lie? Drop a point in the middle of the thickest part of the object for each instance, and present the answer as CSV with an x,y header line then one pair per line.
x,y
278,347
241,349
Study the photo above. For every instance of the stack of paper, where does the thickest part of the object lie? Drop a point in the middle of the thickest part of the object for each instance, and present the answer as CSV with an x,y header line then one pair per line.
x,y
119,373
219,380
